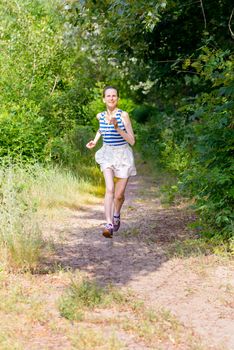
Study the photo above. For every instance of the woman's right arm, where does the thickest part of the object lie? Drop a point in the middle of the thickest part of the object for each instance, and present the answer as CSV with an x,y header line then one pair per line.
x,y
92,143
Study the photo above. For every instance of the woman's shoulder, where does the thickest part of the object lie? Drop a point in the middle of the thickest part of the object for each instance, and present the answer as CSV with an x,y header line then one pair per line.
x,y
123,112
99,115
124,115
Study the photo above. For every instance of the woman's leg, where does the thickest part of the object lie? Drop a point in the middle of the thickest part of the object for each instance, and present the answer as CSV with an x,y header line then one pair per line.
x,y
109,195
120,187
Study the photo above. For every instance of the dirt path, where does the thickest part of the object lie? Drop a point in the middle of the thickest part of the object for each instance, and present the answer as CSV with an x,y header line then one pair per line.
x,y
197,290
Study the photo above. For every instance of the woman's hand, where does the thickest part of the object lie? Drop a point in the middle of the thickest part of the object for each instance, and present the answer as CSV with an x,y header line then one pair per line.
x,y
114,122
91,144
128,135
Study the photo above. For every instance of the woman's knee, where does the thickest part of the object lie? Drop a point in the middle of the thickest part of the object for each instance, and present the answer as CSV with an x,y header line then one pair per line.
x,y
110,190
119,196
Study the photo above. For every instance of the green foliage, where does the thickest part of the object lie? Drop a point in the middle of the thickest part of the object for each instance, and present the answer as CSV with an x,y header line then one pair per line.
x,y
209,176
195,141
137,43
70,152
176,156
23,131
70,149
142,113
42,93
201,246
127,104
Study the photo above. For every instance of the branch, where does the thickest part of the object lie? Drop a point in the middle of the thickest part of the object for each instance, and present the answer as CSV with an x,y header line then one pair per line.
x,y
55,83
203,12
229,24
186,71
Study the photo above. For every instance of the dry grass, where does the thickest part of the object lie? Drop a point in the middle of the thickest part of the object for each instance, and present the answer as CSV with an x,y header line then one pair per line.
x,y
59,188
124,312
21,240
87,338
30,194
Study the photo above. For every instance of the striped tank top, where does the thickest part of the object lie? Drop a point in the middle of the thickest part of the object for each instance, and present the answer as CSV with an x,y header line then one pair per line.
x,y
110,136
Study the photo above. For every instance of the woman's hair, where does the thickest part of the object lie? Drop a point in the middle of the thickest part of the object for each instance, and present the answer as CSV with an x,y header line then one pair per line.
x,y
110,87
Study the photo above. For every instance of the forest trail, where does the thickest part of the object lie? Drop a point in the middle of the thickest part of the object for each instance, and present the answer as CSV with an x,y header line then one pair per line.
x,y
170,301
197,290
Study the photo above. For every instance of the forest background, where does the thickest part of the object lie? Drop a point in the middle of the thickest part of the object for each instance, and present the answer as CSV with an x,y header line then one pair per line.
x,y
173,64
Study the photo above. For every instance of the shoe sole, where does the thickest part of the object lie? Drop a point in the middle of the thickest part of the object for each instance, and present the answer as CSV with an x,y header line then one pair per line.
x,y
107,233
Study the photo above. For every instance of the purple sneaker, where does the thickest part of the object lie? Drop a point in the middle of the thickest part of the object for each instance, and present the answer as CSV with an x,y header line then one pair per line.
x,y
116,223
108,231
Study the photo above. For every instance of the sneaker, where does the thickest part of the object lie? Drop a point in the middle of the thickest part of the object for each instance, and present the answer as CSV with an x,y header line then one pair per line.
x,y
116,223
108,231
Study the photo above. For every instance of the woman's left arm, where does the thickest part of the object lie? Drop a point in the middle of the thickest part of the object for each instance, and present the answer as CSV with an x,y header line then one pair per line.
x,y
128,135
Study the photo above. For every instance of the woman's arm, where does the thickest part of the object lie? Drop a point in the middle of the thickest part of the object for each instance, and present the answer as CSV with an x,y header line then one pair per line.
x,y
92,143
128,135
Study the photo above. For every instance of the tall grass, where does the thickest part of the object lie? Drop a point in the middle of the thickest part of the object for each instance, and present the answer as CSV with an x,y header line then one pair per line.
x,y
57,187
27,191
20,237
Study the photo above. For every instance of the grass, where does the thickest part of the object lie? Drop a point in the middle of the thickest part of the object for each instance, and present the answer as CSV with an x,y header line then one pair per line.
x,y
28,194
21,240
28,314
85,302
133,232
84,295
21,308
7,343
192,247
59,188
19,296
90,339
79,297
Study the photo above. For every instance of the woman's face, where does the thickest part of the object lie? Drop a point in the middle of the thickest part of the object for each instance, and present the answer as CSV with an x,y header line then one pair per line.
x,y
110,98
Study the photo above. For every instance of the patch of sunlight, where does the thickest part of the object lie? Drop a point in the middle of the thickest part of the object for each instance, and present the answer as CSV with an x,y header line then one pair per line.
x,y
63,189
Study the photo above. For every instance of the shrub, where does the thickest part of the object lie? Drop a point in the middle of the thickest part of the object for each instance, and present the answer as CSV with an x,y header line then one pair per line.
x,y
143,113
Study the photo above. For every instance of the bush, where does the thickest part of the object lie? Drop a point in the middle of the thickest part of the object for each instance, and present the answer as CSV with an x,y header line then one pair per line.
x,y
196,142
143,113
209,176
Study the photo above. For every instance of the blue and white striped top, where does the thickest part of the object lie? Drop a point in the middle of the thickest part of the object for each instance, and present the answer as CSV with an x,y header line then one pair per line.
x,y
109,135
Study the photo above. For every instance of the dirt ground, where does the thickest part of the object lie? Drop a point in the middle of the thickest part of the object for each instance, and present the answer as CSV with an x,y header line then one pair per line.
x,y
197,290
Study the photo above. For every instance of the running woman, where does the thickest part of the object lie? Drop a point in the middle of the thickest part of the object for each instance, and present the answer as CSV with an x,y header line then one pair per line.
x,y
115,157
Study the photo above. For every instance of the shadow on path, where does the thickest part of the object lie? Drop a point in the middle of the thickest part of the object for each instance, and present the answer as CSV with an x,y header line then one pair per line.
x,y
136,250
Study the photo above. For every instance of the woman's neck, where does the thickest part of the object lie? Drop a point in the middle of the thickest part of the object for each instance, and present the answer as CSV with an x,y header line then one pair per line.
x,y
111,112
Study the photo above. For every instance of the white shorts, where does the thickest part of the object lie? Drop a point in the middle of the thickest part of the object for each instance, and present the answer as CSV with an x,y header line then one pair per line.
x,y
118,158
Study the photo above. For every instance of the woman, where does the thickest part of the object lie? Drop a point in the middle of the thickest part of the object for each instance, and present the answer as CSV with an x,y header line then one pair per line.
x,y
115,156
